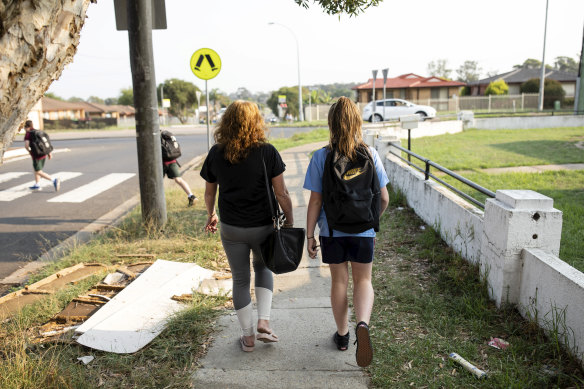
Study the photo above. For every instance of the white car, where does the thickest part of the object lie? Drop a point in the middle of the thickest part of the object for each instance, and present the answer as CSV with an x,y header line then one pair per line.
x,y
392,109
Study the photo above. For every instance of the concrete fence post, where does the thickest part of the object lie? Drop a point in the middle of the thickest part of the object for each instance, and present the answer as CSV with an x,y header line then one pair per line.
x,y
514,220
383,146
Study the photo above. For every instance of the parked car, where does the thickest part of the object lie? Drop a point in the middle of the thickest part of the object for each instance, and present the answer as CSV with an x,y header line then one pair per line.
x,y
392,109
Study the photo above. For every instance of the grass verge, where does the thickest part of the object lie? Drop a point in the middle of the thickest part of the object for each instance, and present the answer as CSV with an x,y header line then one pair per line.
x,y
480,149
430,302
168,361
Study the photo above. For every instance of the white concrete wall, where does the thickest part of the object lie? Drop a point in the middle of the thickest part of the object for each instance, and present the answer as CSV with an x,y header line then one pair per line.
x,y
459,223
555,291
524,122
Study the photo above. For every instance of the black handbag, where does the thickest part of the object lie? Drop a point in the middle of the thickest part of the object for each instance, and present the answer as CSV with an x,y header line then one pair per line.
x,y
282,250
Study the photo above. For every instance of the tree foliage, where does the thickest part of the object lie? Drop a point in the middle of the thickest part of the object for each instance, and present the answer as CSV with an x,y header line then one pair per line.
x,y
531,63
182,95
566,64
51,95
111,101
469,71
126,97
338,7
552,90
95,99
439,68
291,94
498,87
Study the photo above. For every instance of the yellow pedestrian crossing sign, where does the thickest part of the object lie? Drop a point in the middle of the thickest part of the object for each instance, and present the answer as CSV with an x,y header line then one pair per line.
x,y
205,64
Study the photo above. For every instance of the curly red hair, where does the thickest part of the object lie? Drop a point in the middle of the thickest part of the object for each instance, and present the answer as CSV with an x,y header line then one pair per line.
x,y
241,128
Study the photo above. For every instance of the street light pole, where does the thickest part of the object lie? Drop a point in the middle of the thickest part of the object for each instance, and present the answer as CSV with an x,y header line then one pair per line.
x,y
542,77
300,113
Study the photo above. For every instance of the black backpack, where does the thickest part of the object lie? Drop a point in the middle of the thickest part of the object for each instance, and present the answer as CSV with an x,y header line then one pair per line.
x,y
170,146
40,144
350,192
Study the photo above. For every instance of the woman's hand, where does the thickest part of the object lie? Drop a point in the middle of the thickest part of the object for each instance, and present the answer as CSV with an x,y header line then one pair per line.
x,y
312,247
212,223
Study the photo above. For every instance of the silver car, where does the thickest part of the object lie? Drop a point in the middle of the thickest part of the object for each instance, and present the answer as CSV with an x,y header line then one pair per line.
x,y
392,109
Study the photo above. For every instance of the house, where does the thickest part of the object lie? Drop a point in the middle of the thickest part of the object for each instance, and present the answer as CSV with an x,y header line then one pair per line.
x,y
53,110
409,87
517,77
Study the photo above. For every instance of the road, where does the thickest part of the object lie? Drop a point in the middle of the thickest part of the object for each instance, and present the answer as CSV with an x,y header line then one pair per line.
x,y
98,174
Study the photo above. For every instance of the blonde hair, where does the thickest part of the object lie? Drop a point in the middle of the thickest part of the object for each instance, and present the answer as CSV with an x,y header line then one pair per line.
x,y
344,121
241,128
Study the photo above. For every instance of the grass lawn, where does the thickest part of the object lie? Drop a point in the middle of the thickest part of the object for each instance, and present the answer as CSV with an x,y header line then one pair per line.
x,y
474,150
429,302
480,149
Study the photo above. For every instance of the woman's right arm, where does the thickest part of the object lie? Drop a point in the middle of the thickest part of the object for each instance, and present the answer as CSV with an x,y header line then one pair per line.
x,y
283,198
210,195
313,212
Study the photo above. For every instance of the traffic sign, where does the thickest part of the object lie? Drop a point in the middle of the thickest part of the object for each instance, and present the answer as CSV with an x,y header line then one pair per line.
x,y
205,64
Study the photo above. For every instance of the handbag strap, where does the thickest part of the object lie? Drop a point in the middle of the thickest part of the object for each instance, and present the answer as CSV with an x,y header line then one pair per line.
x,y
275,212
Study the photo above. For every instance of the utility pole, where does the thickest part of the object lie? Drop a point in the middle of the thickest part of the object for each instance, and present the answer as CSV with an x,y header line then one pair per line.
x,y
579,103
152,198
542,77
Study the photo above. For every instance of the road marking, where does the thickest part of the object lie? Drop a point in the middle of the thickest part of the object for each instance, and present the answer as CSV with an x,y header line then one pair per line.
x,y
94,188
11,176
22,190
20,154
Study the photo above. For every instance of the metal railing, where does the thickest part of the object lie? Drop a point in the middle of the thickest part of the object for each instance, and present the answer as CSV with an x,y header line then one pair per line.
x,y
427,175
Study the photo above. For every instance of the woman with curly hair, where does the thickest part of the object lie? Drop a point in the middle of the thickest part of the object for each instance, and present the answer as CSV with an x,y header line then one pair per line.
x,y
234,165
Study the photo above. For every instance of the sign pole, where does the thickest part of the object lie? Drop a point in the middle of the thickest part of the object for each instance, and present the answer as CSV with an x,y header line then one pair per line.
x,y
207,95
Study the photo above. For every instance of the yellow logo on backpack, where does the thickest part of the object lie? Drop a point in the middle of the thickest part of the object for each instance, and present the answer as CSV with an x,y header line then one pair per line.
x,y
350,174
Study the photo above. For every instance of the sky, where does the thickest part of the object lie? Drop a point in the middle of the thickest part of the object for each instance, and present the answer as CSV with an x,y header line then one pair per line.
x,y
403,36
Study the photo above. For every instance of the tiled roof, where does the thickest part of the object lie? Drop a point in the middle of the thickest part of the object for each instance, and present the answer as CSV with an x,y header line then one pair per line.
x,y
519,76
409,80
49,104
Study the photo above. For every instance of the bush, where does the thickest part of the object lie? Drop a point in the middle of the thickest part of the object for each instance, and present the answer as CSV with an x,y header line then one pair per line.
x,y
552,91
498,87
465,91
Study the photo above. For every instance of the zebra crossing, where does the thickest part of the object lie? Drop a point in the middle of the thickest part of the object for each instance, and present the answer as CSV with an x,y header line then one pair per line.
x,y
75,195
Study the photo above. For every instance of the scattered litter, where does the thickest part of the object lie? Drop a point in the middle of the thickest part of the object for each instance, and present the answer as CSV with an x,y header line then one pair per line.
x,y
422,228
400,208
58,332
138,313
86,359
114,278
550,371
498,343
101,296
468,366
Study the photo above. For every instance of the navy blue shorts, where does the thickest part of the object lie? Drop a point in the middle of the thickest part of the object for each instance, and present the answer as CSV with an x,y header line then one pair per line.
x,y
346,248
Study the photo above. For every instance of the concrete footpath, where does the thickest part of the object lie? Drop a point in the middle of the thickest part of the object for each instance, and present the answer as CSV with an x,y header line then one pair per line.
x,y
305,356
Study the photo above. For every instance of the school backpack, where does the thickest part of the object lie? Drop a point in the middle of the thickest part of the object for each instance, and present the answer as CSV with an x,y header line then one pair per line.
x,y
350,191
40,144
170,146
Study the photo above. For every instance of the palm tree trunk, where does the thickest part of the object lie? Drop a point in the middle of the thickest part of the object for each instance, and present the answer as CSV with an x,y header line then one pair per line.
x,y
37,39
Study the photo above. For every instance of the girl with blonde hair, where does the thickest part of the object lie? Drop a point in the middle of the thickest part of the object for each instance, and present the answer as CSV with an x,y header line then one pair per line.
x,y
338,247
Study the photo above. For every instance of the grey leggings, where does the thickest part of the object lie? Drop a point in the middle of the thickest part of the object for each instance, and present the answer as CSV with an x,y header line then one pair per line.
x,y
237,242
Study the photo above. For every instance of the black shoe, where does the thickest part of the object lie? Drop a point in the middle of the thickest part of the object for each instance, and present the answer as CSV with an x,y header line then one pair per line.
x,y
192,199
342,341
364,353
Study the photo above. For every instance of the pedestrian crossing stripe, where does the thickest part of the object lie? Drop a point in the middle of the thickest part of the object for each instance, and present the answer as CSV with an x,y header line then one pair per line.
x,y
77,195
92,189
11,176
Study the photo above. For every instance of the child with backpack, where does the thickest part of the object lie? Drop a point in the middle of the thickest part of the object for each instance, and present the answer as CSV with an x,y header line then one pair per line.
x,y
39,146
348,194
170,153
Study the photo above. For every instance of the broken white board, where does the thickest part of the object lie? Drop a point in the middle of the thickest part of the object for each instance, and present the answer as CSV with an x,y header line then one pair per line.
x,y
140,311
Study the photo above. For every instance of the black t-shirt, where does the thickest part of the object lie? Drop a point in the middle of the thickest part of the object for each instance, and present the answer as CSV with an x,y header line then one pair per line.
x,y
243,199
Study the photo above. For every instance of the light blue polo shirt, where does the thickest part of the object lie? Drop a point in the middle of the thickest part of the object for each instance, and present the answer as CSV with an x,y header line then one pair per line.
x,y
313,182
